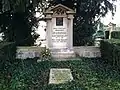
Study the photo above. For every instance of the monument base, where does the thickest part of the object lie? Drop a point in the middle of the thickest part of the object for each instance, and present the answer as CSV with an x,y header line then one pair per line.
x,y
63,53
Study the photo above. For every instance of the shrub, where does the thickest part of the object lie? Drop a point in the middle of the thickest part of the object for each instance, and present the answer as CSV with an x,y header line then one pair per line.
x,y
7,55
45,54
110,52
7,62
115,34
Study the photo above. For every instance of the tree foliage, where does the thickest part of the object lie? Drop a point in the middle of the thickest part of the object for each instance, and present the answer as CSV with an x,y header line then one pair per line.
x,y
86,13
17,17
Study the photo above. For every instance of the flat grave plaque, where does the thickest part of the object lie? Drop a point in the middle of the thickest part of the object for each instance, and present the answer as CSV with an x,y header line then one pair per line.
x,y
58,76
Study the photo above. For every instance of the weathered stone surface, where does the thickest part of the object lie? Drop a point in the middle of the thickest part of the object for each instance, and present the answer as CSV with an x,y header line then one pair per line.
x,y
58,76
59,33
88,51
62,53
28,52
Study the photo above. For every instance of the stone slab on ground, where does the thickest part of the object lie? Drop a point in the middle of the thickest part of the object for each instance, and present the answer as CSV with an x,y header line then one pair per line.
x,y
60,75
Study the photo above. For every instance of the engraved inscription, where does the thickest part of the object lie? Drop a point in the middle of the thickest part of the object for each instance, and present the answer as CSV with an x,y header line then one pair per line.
x,y
59,35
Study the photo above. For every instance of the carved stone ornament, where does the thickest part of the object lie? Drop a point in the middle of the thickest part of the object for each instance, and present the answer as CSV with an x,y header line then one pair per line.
x,y
59,11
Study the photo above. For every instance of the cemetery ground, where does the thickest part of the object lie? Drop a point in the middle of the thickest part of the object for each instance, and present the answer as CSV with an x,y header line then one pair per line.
x,y
88,74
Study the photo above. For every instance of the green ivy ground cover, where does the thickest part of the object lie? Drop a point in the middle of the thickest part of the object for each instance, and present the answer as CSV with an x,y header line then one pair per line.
x,y
88,74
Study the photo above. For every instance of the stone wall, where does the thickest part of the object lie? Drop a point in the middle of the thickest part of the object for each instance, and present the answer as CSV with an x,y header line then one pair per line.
x,y
28,52
82,51
87,51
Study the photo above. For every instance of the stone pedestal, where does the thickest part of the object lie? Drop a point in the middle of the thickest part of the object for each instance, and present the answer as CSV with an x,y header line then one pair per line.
x,y
63,53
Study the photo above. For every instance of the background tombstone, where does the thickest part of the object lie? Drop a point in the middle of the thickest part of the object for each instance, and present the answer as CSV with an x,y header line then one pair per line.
x,y
60,31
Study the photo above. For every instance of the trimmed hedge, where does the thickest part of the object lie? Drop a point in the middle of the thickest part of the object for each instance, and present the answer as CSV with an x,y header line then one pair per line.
x,y
7,55
110,52
115,34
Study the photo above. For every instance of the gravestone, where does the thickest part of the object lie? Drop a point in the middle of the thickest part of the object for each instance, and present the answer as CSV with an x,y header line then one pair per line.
x,y
59,32
58,76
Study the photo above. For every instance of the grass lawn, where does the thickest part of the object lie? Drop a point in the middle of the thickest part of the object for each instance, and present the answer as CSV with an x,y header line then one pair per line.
x,y
88,74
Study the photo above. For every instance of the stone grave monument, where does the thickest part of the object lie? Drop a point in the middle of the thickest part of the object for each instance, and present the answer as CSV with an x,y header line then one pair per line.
x,y
59,32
